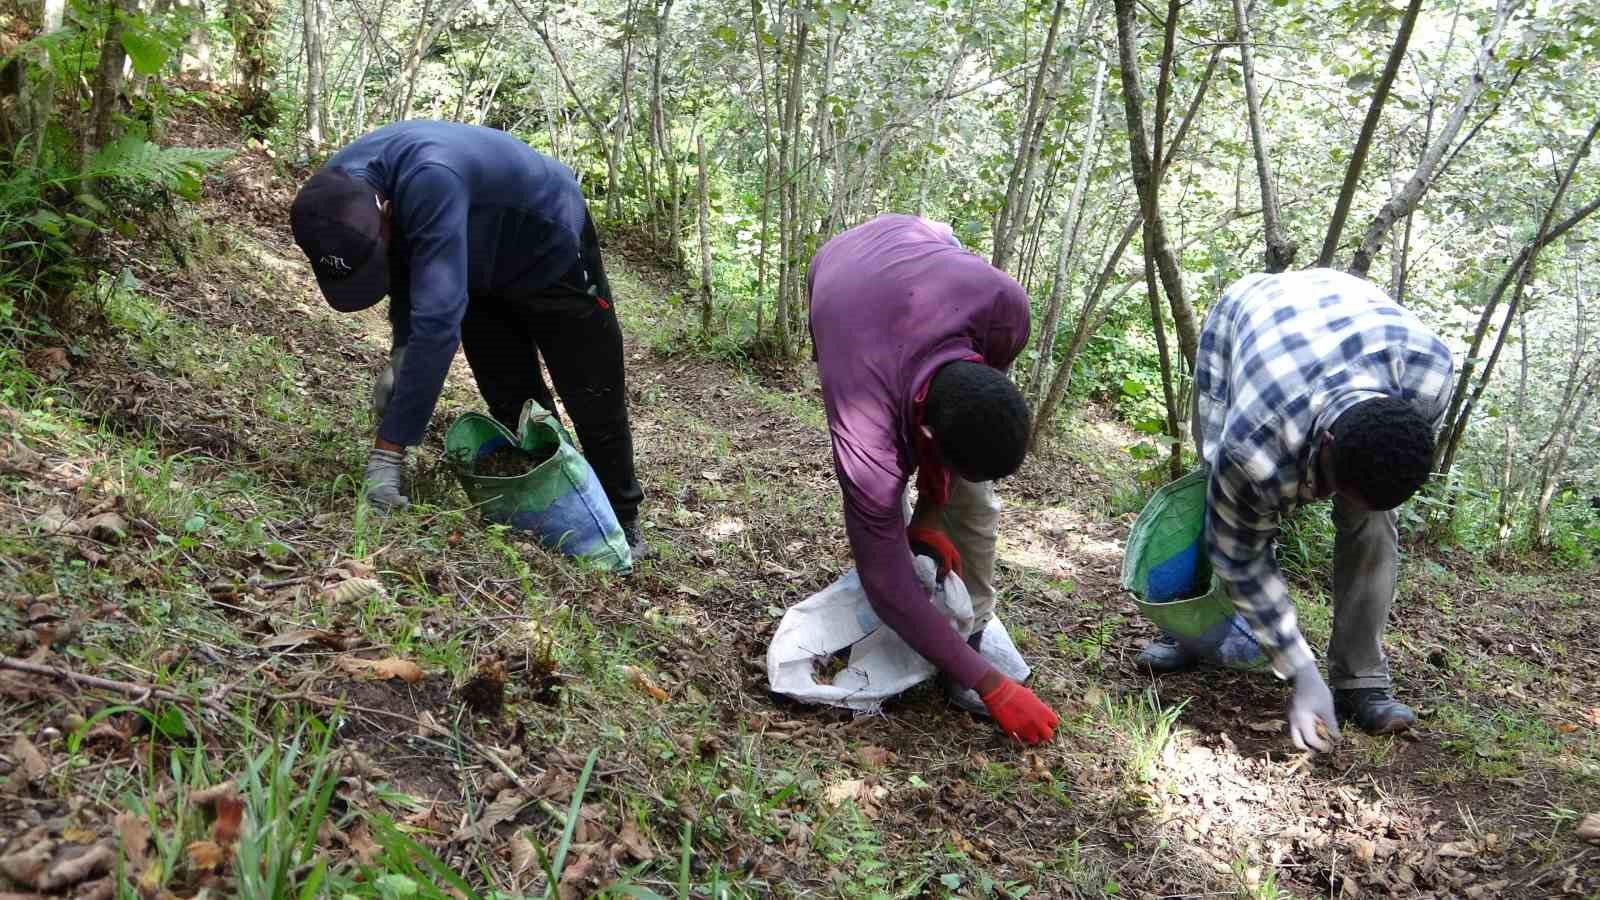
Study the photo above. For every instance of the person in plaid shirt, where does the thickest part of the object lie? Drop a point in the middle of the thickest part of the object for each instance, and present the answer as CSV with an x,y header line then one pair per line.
x,y
1311,385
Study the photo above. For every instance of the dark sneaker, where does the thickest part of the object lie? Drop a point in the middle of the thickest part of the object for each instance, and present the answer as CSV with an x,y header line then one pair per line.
x,y
1164,656
636,543
1373,710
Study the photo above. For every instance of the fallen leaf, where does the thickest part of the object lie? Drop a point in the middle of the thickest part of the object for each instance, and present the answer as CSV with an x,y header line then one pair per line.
x,y
575,878
77,834
52,520
28,865
208,797
230,817
49,363
382,669
109,527
1566,727
635,843
134,832
865,794
1589,829
1270,726
352,591
322,637
354,568
29,760
1094,697
642,682
206,855
523,854
875,756
67,871
505,806
360,842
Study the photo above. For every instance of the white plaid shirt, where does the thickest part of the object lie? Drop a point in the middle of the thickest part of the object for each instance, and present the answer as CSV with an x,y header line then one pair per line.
x,y
1281,358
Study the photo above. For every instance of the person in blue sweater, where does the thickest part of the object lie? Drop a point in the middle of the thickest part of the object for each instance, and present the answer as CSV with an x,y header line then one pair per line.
x,y
480,242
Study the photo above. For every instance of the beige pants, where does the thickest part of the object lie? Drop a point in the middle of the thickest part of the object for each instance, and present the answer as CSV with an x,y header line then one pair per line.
x,y
972,521
1366,562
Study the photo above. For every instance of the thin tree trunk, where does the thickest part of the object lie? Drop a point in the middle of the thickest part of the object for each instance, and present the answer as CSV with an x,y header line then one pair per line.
x,y
1146,180
1071,223
1406,199
935,119
757,29
426,35
1280,250
1027,144
1158,325
316,123
624,118
1080,337
108,78
1567,429
1512,422
1358,157
705,242
600,132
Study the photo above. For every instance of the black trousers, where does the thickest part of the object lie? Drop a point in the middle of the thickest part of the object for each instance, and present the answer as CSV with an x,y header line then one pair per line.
x,y
576,332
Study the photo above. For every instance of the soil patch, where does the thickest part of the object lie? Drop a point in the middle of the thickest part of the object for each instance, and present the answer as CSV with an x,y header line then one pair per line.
x,y
508,462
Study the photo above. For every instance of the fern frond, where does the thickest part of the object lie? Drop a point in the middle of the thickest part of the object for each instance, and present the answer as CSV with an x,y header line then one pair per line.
x,y
132,158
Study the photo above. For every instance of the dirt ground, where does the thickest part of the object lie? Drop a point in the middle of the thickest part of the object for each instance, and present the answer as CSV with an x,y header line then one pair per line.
x,y
179,521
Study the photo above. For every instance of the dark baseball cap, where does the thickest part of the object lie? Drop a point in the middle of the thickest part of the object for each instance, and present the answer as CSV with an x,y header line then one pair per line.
x,y
337,220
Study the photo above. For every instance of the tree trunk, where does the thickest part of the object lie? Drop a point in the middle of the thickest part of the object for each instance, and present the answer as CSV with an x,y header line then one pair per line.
x,y
108,78
936,117
705,242
1081,335
1169,394
1071,225
1280,249
624,118
1358,157
600,132
1027,145
426,35
1566,428
757,29
1406,199
316,123
1145,179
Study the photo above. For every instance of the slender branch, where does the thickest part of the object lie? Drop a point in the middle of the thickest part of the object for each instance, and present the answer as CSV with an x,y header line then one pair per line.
x,y
1358,158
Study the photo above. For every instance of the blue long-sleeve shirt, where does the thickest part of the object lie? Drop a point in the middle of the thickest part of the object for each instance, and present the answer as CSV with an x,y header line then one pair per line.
x,y
476,213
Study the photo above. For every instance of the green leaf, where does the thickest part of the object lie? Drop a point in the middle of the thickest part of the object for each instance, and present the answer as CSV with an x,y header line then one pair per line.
x,y
46,220
81,222
951,880
1133,388
194,522
146,51
172,723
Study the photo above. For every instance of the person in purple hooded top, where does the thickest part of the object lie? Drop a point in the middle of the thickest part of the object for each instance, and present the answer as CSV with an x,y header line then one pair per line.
x,y
913,337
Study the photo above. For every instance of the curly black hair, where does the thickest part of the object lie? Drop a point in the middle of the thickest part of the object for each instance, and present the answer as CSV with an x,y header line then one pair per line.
x,y
979,420
1382,451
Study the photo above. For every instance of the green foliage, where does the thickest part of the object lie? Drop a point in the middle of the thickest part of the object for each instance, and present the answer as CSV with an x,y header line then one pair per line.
x,y
136,160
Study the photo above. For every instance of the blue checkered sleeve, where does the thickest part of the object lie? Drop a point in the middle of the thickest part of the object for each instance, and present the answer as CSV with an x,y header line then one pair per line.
x,y
1241,524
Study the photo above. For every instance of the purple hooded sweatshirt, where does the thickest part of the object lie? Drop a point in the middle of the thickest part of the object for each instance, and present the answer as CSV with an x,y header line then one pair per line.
x,y
892,301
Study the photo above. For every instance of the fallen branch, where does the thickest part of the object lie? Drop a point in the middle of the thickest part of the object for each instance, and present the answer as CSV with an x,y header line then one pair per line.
x,y
140,692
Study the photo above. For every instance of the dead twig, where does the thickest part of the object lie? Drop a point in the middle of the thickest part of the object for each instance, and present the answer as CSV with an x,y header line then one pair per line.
x,y
140,692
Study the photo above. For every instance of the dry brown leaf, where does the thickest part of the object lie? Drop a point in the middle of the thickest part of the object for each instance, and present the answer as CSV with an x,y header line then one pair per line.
x,y
875,756
352,591
353,568
1589,829
635,843
642,682
206,856
109,527
96,860
77,834
206,798
230,818
134,833
866,794
361,843
30,762
1269,726
382,669
49,363
523,854
319,636
27,866
506,805
576,878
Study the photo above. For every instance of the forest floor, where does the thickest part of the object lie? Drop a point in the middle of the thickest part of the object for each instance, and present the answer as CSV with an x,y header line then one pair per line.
x,y
179,519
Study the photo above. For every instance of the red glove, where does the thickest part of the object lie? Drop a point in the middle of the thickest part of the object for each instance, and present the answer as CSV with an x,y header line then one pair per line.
x,y
936,545
1021,714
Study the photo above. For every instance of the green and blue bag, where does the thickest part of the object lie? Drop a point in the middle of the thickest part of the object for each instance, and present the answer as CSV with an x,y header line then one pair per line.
x,y
559,499
1168,570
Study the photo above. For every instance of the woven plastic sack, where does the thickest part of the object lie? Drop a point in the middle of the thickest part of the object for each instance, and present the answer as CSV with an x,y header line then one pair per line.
x,y
832,648
559,500
1167,569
